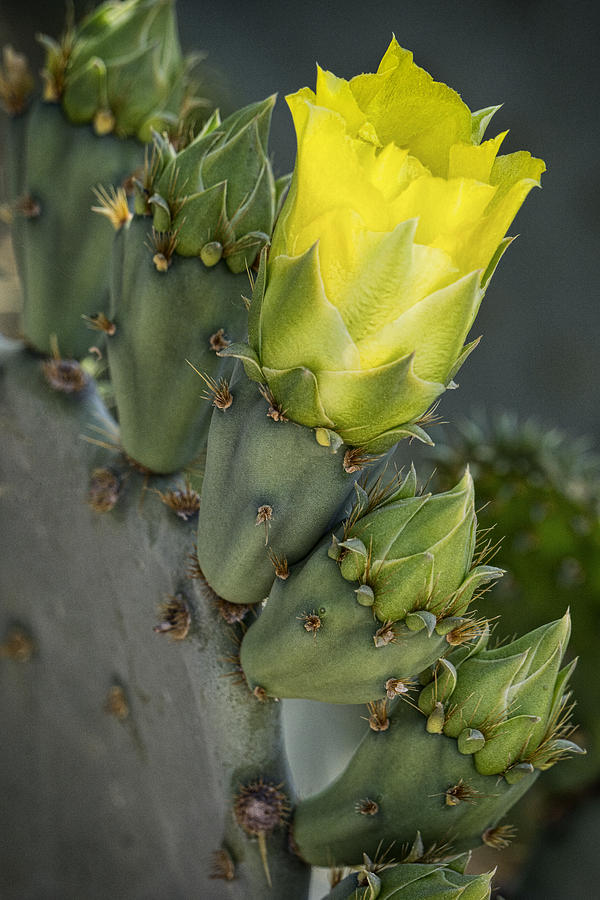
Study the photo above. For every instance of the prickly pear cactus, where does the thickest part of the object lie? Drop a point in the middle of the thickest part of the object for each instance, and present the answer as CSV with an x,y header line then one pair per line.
x,y
378,612
540,490
173,306
452,764
364,286
107,82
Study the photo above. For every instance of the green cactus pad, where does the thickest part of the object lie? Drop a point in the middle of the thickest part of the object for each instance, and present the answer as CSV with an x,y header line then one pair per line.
x,y
161,320
255,462
315,640
407,772
64,250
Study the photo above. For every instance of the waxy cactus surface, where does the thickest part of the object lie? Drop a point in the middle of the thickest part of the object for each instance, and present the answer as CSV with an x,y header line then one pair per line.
x,y
318,576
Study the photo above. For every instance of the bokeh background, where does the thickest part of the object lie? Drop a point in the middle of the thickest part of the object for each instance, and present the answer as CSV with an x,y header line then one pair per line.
x,y
541,318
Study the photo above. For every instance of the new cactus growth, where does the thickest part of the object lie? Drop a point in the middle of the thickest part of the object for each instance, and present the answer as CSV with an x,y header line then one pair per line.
x,y
454,764
374,605
173,305
540,490
108,81
414,881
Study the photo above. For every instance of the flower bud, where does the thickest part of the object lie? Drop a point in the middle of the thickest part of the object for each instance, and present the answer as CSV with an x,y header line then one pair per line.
x,y
218,194
394,223
506,706
415,553
120,68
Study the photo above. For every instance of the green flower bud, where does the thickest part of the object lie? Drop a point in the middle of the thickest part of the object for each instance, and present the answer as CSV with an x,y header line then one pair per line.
x,y
417,881
121,68
506,706
415,552
218,194
393,225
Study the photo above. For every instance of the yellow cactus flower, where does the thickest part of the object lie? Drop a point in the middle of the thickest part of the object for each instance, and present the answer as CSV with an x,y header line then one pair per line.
x,y
394,223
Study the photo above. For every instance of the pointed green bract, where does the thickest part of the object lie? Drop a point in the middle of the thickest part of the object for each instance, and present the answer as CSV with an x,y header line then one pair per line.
x,y
513,695
120,68
413,881
419,553
220,190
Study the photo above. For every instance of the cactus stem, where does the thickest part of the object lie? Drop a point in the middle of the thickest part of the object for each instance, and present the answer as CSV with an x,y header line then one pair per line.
x,y
175,618
222,865
18,645
218,341
104,490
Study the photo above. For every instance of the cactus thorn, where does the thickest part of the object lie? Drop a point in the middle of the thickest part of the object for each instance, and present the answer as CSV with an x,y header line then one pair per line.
x,y
378,715
259,808
367,807
18,645
162,245
461,792
104,490
216,391
64,375
355,460
385,634
100,322
264,516
175,618
280,564
113,205
222,865
232,613
275,411
116,703
312,622
396,687
218,341
185,502
499,837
